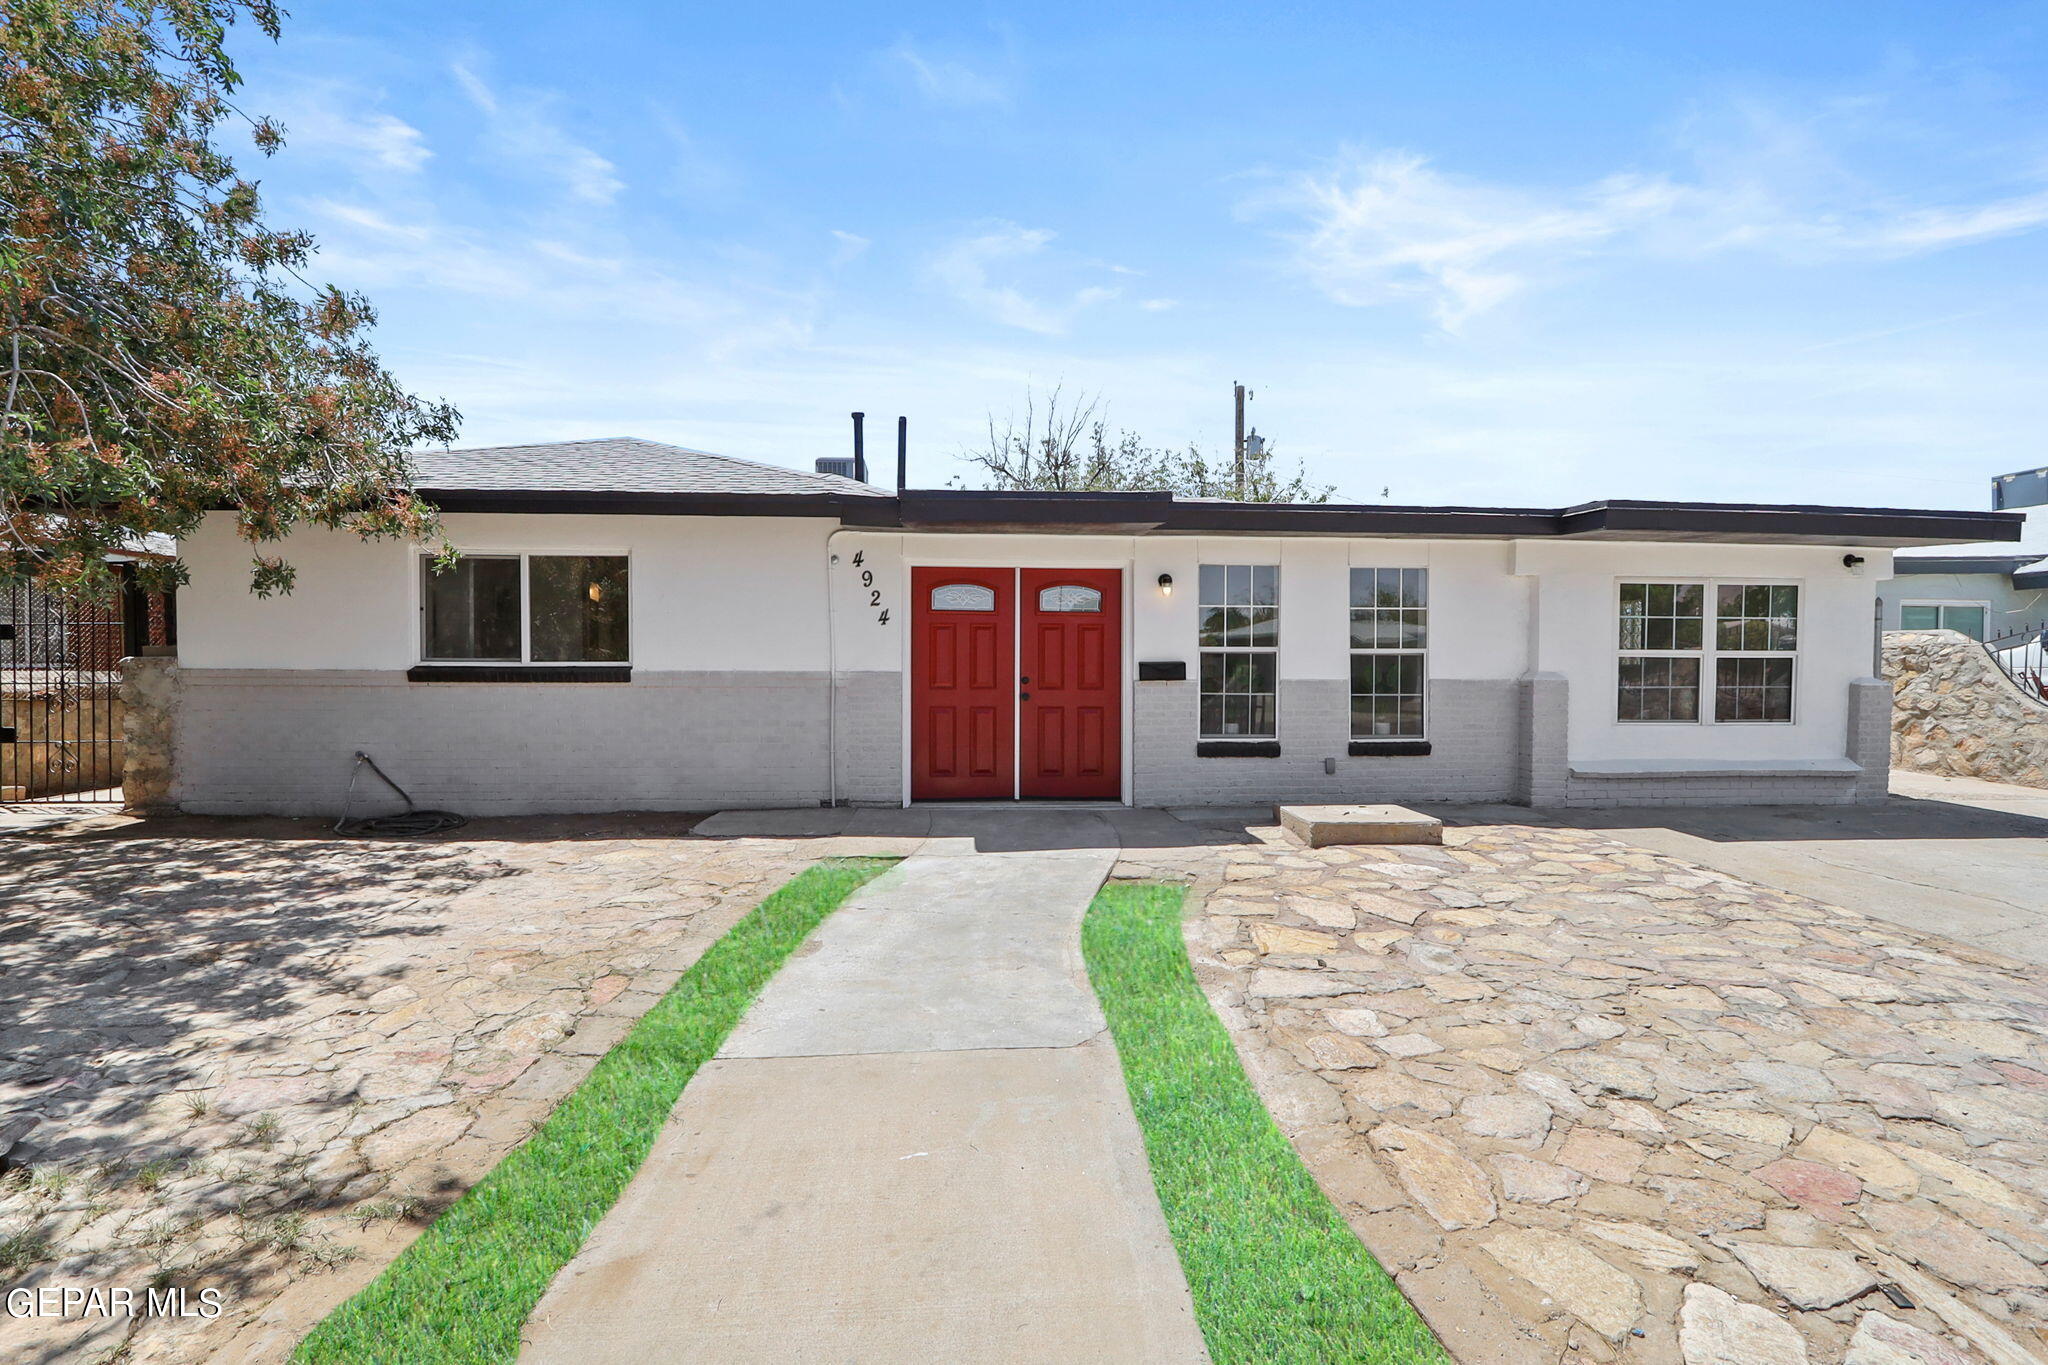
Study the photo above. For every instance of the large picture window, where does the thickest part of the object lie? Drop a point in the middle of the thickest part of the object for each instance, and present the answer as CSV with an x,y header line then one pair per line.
x,y
1389,637
1238,611
1668,654
541,609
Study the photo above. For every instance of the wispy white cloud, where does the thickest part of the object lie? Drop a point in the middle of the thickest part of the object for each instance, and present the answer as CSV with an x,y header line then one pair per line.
x,y
524,135
1389,227
373,141
954,81
554,281
967,269
1372,229
849,245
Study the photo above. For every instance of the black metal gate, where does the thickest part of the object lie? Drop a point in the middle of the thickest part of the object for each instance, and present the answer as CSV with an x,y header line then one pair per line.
x,y
60,687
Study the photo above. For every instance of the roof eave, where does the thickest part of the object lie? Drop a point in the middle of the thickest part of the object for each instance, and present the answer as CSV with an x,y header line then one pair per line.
x,y
597,502
1140,513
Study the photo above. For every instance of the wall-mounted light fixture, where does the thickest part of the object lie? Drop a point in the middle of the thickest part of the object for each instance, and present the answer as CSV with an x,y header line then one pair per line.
x,y
1854,564
1166,585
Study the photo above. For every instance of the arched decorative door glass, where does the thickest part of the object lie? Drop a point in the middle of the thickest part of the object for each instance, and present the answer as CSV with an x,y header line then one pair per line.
x,y
1069,597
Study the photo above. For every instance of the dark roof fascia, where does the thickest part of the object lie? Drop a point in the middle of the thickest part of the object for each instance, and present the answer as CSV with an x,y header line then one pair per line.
x,y
1907,565
2028,581
973,507
1141,512
852,507
1255,518
1794,523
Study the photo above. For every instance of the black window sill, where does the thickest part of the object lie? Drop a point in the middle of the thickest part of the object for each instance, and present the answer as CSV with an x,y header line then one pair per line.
x,y
1389,748
1162,670
520,673
1238,748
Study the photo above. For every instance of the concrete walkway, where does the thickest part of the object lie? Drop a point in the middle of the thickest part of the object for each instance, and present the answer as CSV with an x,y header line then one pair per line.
x,y
916,1147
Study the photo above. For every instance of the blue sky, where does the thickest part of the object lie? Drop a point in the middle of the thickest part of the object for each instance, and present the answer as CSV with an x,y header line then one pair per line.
x,y
1463,253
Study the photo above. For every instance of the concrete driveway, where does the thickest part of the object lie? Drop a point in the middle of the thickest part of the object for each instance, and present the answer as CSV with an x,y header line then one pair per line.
x,y
1945,855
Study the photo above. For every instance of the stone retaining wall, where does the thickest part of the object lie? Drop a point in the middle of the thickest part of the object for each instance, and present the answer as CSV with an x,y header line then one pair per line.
x,y
1954,712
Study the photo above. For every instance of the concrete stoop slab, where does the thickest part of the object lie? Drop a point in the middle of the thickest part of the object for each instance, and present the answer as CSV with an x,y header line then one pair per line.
x,y
1322,826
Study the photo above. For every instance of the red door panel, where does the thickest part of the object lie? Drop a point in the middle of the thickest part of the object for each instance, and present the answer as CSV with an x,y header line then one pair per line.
x,y
1069,682
963,684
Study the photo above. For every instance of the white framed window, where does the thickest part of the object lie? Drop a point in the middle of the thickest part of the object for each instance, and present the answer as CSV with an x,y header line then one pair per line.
x,y
1389,653
1238,636
1965,618
1756,644
525,609
1670,653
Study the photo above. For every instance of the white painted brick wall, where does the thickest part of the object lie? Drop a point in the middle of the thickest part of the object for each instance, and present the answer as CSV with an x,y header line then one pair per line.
x,y
283,742
1473,728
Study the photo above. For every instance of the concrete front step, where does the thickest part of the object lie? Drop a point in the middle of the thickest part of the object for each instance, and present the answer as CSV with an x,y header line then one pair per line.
x,y
1321,826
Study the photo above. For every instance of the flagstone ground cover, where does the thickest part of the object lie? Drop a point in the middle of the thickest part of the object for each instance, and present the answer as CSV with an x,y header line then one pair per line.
x,y
1592,1102
251,1056
462,1292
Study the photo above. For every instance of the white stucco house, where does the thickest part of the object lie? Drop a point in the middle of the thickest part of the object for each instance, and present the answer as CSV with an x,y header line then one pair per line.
x,y
638,626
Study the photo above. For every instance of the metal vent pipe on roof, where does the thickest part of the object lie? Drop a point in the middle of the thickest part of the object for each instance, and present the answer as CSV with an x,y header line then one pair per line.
x,y
902,453
860,447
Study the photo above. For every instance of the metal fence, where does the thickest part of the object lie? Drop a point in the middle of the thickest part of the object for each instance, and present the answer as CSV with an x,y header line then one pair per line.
x,y
60,687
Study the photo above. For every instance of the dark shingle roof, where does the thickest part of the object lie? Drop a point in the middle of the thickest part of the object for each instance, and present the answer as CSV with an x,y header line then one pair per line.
x,y
620,464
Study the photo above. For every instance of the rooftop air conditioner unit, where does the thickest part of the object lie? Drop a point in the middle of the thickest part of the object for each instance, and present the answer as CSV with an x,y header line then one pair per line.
x,y
842,465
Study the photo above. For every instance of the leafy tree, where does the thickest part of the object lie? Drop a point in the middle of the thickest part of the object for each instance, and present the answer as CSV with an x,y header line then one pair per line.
x,y
1068,447
161,352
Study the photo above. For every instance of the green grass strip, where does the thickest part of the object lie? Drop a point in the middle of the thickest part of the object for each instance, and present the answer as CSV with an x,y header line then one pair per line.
x,y
1275,1272
464,1289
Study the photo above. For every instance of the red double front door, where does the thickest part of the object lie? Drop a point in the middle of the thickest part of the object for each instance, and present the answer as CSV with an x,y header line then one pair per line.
x,y
1015,684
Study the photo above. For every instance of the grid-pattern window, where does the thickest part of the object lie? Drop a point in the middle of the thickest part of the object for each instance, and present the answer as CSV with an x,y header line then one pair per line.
x,y
1389,669
1756,617
1238,633
1662,625
1655,687
1668,653
1756,631
1749,688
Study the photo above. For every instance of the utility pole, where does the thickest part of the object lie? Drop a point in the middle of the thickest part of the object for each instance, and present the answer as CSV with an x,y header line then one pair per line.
x,y
1242,393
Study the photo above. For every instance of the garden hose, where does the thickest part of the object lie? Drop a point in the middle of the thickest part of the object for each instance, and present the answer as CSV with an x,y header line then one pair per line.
x,y
411,823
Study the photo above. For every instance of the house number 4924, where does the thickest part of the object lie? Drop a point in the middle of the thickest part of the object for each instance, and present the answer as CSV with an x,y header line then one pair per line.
x,y
867,581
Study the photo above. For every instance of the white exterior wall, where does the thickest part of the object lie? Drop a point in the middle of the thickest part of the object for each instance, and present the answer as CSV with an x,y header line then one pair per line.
x,y
705,593
1577,589
1469,584
731,650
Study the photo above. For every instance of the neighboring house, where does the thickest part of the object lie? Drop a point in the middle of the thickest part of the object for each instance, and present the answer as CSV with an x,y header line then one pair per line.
x,y
1992,591
637,626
